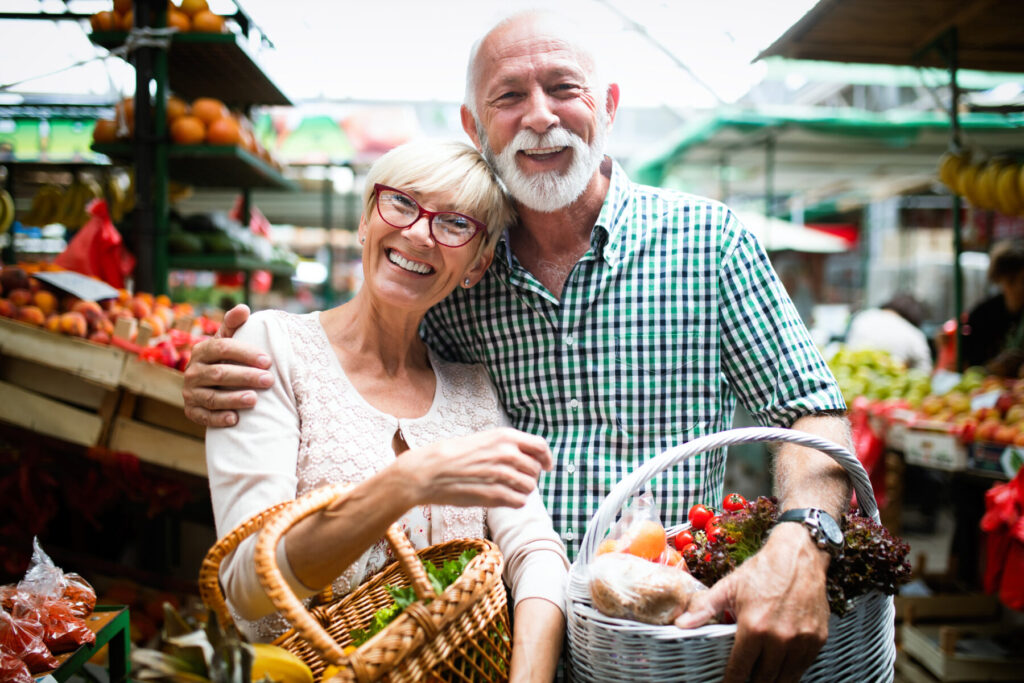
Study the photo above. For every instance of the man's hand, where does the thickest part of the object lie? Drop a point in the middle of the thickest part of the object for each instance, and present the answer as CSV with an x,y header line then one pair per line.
x,y
778,597
221,374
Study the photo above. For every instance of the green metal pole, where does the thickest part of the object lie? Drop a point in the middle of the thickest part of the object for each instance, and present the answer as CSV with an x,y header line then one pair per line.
x,y
954,120
161,201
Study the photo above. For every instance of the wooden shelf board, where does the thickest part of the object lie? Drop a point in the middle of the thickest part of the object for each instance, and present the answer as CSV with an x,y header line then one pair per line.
x,y
159,446
37,413
100,364
154,381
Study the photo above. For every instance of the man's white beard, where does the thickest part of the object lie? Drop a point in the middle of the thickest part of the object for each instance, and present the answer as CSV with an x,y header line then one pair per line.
x,y
548,191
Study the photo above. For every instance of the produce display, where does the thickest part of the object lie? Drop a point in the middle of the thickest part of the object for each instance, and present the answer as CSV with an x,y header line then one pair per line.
x,y
67,206
191,651
627,584
42,615
204,121
152,327
877,376
186,16
995,183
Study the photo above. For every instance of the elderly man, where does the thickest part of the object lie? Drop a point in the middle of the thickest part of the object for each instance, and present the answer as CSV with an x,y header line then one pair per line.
x,y
618,320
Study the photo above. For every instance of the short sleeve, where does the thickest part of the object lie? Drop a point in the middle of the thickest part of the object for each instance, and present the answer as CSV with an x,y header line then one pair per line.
x,y
768,356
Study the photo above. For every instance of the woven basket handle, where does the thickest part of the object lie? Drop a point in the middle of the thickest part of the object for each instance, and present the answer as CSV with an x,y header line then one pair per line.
x,y
281,594
606,513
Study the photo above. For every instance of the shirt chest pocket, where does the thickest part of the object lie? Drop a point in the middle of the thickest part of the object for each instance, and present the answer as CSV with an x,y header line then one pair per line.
x,y
656,352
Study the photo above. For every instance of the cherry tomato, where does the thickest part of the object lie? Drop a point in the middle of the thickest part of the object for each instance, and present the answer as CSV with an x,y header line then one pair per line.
x,y
690,555
733,502
683,539
715,533
699,516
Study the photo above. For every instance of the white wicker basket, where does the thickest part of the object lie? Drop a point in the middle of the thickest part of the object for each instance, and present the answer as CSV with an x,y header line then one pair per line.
x,y
860,646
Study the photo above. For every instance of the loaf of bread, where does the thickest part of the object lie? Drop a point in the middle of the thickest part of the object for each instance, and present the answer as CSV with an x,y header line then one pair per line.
x,y
630,587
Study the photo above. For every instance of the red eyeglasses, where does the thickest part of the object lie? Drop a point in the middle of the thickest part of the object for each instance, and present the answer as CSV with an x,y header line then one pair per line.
x,y
399,210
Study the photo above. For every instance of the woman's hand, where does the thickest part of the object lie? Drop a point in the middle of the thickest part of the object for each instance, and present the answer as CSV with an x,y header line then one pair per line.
x,y
496,468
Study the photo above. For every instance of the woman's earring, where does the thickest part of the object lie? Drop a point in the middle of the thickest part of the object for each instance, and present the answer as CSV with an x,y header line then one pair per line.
x,y
465,283
362,240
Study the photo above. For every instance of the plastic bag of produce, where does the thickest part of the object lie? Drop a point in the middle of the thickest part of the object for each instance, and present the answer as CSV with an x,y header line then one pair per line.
x,y
24,640
639,532
97,249
62,630
45,579
1003,522
13,669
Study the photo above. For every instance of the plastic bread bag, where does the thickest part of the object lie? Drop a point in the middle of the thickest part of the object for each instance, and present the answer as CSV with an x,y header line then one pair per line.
x,y
24,640
639,532
629,587
13,670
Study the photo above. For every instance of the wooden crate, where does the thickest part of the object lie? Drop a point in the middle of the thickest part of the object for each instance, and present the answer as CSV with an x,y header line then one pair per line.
x,y
95,362
964,652
159,446
946,607
153,381
38,413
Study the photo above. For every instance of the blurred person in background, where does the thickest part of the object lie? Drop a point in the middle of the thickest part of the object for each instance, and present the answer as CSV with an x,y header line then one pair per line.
x,y
893,327
994,332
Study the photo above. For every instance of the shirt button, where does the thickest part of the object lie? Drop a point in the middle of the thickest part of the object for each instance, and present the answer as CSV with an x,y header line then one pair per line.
x,y
570,468
574,404
569,535
569,341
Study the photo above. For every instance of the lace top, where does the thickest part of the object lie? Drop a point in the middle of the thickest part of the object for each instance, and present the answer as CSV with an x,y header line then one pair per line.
x,y
312,428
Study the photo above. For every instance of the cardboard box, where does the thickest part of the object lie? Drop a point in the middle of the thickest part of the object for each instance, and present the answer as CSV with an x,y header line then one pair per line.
x,y
936,449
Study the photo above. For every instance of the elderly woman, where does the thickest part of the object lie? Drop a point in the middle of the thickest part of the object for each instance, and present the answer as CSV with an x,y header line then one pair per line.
x,y
358,397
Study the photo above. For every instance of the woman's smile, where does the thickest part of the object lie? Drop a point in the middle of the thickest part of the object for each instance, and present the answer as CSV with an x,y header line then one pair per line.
x,y
409,265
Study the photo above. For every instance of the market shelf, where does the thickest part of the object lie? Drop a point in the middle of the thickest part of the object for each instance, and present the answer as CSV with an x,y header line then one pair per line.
x,y
219,262
211,65
210,165
110,623
100,364
159,446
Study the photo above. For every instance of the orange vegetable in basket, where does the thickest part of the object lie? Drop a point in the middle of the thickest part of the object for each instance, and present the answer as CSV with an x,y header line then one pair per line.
x,y
208,109
608,545
188,130
207,22
647,540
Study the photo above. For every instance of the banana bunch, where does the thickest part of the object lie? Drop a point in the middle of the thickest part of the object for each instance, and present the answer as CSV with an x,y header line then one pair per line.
x,y
279,665
996,184
71,211
120,193
44,206
6,211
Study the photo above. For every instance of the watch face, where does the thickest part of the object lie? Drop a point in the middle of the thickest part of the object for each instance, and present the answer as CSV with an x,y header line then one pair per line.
x,y
832,531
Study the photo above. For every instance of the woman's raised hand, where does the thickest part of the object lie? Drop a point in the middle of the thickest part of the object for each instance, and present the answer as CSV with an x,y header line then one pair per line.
x,y
496,468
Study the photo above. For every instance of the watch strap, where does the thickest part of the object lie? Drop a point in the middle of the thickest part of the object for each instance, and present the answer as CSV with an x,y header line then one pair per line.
x,y
811,519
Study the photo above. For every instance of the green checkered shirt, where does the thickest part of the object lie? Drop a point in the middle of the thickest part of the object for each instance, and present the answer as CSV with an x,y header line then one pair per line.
x,y
672,313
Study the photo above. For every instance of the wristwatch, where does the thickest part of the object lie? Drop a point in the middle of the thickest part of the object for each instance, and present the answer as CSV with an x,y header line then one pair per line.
x,y
824,529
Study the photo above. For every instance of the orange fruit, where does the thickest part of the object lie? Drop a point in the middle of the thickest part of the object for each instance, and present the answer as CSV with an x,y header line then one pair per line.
x,y
176,108
647,539
102,21
122,6
206,21
179,20
224,131
125,20
608,545
104,131
192,7
188,130
208,109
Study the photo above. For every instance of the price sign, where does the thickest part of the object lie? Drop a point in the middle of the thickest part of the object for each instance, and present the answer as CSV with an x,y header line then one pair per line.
x,y
77,284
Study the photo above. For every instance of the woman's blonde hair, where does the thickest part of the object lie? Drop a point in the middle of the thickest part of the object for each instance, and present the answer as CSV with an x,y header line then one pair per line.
x,y
431,166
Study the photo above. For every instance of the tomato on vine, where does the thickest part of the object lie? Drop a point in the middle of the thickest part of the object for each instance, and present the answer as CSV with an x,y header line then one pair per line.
x,y
683,539
733,502
699,516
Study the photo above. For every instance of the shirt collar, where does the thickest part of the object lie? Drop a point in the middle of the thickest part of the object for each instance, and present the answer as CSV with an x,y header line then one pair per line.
x,y
610,227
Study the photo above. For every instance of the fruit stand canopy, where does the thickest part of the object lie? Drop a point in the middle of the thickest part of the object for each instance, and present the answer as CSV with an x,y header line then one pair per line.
x,y
835,154
989,34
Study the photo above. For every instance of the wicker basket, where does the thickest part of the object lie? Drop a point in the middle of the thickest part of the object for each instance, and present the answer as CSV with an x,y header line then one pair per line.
x,y
860,645
461,635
